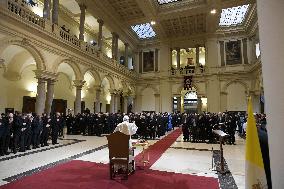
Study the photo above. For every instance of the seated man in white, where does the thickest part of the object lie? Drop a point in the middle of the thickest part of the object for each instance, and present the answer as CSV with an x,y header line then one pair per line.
x,y
129,129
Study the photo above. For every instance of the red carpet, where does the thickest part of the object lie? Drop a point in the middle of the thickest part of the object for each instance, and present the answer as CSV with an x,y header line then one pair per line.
x,y
156,150
88,175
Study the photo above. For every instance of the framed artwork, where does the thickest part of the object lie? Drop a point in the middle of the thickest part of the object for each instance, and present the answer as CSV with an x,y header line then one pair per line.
x,y
233,52
148,61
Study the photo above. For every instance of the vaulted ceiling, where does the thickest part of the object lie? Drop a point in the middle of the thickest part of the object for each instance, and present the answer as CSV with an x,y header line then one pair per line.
x,y
181,19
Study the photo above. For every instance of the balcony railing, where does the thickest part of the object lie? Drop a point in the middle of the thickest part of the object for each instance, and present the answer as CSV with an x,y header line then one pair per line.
x,y
191,70
21,12
18,8
70,38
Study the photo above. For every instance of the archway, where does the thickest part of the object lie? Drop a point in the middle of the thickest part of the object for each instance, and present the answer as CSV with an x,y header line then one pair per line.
x,y
105,95
189,101
64,91
18,79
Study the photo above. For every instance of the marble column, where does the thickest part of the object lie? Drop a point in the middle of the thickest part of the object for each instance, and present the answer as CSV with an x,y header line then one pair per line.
x,y
46,9
125,103
171,57
178,58
112,94
98,99
40,98
271,30
79,85
178,103
199,104
126,54
197,57
100,34
55,8
82,21
49,96
134,99
114,45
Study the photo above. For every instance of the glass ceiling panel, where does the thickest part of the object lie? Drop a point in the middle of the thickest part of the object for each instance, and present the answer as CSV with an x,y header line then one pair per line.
x,y
161,2
144,31
233,16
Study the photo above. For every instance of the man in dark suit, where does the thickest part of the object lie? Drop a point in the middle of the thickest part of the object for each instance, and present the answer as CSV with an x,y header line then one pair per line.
x,y
56,125
36,130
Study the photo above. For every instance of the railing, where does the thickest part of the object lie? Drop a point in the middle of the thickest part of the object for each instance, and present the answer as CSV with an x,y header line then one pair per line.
x,y
19,9
187,71
70,38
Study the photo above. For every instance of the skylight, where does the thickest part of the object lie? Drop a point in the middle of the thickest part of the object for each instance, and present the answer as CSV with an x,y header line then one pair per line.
x,y
161,2
144,31
233,16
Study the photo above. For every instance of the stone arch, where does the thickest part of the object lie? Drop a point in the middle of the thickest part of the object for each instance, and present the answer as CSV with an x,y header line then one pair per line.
x,y
225,87
25,44
95,75
156,91
111,81
71,63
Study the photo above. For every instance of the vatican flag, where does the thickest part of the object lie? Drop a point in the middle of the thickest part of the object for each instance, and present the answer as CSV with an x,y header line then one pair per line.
x,y
255,173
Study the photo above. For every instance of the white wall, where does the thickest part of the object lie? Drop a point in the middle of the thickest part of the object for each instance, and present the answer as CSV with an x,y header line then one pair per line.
x,y
148,100
236,97
63,90
12,92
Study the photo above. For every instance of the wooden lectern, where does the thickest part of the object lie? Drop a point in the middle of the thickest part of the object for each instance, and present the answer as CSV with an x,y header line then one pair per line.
x,y
222,135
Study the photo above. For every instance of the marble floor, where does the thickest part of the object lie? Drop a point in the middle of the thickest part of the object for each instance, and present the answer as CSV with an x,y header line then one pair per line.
x,y
181,157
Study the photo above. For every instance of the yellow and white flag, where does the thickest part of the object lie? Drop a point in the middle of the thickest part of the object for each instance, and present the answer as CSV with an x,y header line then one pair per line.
x,y
255,173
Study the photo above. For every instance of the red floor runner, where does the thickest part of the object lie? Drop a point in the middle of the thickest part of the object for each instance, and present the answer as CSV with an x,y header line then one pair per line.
x,y
156,150
88,175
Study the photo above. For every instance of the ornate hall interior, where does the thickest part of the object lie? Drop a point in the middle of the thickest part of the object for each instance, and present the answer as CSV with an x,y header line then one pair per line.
x,y
147,61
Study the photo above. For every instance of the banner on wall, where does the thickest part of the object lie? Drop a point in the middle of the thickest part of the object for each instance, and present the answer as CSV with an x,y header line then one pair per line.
x,y
187,83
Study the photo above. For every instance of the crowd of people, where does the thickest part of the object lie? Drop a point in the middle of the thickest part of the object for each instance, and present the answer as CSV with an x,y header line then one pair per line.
x,y
21,132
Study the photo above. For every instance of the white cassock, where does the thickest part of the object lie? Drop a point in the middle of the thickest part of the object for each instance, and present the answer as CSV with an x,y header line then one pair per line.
x,y
127,128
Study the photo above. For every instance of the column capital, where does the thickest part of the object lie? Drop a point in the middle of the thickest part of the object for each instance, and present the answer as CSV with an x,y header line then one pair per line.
x,y
157,95
100,21
45,75
82,6
114,34
126,44
79,83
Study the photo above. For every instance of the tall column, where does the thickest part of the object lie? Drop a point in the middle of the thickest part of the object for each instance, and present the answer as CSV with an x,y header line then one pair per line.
x,y
197,57
98,99
125,103
171,57
126,54
271,30
134,104
55,8
82,21
178,58
79,85
117,102
100,35
49,96
114,45
199,104
112,94
179,104
46,9
40,98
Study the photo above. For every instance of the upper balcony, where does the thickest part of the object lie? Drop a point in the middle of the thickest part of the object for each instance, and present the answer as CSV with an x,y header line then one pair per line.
x,y
19,11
